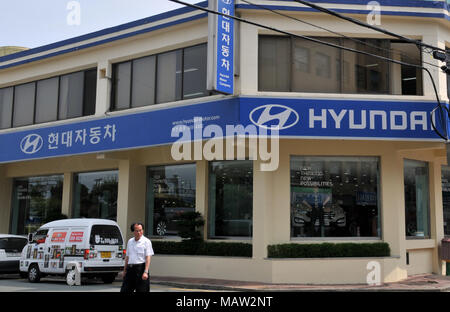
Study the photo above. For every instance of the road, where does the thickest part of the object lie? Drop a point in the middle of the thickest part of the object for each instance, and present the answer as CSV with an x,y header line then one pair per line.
x,y
13,283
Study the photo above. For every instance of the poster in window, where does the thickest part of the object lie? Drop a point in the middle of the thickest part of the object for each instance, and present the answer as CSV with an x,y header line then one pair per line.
x,y
310,205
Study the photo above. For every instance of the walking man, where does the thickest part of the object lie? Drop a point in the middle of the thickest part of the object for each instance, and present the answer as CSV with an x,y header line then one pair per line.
x,y
136,275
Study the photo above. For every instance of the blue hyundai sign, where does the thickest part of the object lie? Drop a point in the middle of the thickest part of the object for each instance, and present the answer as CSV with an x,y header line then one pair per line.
x,y
225,48
359,119
296,118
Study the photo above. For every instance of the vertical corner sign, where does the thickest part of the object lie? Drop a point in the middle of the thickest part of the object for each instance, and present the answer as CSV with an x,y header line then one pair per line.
x,y
221,47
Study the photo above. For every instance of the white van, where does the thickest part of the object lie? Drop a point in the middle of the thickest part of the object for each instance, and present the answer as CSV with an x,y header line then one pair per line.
x,y
92,247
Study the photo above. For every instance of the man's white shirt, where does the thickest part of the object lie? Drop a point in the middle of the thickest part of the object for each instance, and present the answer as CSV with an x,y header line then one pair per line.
x,y
137,251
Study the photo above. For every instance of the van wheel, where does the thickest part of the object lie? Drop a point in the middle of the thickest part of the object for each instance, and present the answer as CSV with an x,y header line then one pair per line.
x,y
108,278
34,274
70,277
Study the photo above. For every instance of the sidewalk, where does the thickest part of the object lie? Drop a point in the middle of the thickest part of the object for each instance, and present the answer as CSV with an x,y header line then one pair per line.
x,y
422,283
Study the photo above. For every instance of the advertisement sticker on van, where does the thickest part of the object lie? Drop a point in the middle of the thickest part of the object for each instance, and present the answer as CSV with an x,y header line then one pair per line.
x,y
59,237
106,240
76,237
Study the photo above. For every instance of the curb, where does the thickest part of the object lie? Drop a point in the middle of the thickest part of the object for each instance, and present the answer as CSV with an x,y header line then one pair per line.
x,y
428,283
324,289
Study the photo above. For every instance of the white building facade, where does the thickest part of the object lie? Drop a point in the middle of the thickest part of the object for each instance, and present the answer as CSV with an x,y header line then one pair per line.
x,y
88,127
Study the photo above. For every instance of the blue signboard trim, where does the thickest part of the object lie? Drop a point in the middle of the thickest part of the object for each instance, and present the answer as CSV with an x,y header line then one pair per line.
x,y
400,3
346,11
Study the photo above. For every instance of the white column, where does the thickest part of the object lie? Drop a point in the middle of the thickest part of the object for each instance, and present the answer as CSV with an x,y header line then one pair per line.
x,y
249,59
433,38
393,211
104,74
131,195
436,212
262,208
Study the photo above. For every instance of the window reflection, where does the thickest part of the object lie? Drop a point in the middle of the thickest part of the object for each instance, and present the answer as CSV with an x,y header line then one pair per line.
x,y
446,198
416,199
61,97
299,65
170,193
95,195
166,77
6,105
36,200
231,198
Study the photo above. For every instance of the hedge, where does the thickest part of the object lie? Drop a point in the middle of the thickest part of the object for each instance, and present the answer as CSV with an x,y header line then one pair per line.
x,y
202,248
328,250
225,249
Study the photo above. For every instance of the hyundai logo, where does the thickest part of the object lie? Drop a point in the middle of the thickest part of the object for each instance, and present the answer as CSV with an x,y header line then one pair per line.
x,y
274,116
31,144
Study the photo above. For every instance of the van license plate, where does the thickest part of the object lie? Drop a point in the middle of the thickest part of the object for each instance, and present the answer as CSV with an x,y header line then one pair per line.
x,y
105,254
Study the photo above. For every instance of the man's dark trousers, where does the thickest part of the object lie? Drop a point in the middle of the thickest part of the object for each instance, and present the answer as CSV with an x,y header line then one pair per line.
x,y
133,281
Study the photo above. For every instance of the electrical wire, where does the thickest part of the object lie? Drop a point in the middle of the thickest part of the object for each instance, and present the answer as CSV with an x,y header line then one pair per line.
x,y
357,22
439,106
340,34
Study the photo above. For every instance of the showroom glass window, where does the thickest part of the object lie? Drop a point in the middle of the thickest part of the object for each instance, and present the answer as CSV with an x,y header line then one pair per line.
x,y
56,98
170,193
335,197
36,201
230,199
161,78
446,198
6,104
297,65
417,208
95,195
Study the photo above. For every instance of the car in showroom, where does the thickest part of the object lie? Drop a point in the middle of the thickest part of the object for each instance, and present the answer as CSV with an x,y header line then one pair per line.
x,y
167,219
10,250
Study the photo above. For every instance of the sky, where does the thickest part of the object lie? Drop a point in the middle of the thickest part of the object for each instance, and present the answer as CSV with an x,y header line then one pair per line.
x,y
31,23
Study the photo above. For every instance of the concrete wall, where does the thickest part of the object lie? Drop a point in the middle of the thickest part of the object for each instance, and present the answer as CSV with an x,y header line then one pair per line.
x,y
307,271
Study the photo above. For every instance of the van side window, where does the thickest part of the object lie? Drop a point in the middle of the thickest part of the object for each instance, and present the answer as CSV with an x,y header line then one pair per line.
x,y
40,236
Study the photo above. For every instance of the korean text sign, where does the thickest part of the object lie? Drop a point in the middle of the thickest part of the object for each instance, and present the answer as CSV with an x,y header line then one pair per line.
x,y
225,48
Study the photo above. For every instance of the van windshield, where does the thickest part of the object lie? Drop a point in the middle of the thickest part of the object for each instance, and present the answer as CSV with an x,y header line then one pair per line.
x,y
12,244
105,235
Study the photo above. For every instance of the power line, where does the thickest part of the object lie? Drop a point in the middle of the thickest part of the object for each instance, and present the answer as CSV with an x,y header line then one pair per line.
x,y
357,22
339,34
298,36
439,106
